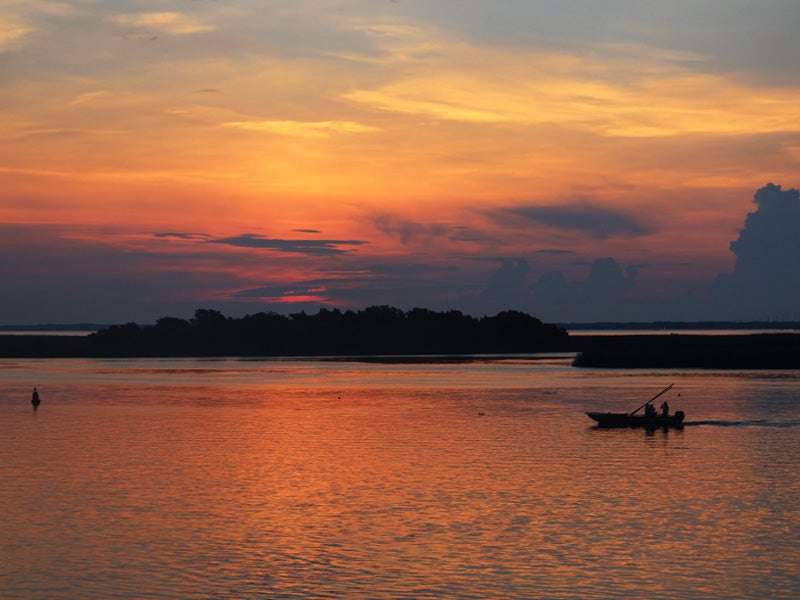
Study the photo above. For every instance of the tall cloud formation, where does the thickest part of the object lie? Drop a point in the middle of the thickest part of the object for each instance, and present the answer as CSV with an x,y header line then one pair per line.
x,y
765,282
107,276
764,285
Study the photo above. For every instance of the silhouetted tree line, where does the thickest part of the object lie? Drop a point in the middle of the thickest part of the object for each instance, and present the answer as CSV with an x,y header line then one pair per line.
x,y
374,330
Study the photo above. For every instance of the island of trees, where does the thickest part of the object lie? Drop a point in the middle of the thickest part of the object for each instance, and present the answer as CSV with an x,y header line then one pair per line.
x,y
377,330
391,332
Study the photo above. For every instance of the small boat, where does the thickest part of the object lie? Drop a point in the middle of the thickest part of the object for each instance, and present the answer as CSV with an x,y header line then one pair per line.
x,y
609,419
651,420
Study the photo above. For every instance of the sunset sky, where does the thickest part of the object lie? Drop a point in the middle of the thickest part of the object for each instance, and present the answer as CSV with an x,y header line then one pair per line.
x,y
580,160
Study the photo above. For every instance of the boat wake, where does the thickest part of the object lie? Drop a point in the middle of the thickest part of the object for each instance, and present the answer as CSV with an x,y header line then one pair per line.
x,y
746,423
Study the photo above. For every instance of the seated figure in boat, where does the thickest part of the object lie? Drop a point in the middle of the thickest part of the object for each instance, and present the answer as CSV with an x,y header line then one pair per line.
x,y
664,409
649,410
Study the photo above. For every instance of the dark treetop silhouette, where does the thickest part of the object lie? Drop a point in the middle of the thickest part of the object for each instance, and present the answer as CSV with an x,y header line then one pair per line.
x,y
383,330
374,330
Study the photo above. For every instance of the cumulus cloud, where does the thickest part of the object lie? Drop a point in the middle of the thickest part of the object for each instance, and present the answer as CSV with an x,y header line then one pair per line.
x,y
123,270
765,282
769,244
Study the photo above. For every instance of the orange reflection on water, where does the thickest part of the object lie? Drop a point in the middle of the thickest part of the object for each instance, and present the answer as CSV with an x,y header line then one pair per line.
x,y
393,492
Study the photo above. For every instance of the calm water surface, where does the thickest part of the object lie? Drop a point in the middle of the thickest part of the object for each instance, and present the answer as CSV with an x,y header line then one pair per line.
x,y
331,479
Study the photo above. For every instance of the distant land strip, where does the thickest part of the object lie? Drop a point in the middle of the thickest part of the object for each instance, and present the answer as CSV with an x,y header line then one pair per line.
x,y
87,327
689,351
377,330
685,326
387,331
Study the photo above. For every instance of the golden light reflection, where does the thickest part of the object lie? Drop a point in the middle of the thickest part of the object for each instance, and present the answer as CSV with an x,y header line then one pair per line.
x,y
339,479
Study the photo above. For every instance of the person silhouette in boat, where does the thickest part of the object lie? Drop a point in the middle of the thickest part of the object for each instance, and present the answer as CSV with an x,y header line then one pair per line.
x,y
664,409
35,400
649,410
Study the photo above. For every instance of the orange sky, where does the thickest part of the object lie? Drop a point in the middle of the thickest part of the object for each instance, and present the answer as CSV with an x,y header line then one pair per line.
x,y
396,134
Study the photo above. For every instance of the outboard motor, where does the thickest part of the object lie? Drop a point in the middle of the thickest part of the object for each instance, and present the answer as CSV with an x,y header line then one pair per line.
x,y
679,416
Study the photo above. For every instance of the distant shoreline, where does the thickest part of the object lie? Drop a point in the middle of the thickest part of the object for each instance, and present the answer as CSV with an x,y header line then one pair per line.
x,y
701,351
689,351
576,328
48,329
666,326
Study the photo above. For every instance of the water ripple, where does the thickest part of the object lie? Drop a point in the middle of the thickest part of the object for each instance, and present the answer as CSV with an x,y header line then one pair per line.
x,y
747,423
375,491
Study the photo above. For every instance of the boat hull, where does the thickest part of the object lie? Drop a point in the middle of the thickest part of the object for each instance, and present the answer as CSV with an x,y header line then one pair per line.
x,y
619,420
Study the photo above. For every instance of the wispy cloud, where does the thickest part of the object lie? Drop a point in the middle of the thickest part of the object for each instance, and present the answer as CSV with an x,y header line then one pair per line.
x,y
182,235
12,34
388,282
616,90
167,22
303,291
555,251
311,247
90,97
596,221
302,128
407,231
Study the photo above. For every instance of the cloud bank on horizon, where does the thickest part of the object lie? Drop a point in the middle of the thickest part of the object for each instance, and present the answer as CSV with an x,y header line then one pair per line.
x,y
77,279
580,161
764,284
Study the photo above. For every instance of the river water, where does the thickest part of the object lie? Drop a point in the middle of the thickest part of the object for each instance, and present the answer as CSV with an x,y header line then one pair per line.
x,y
434,479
